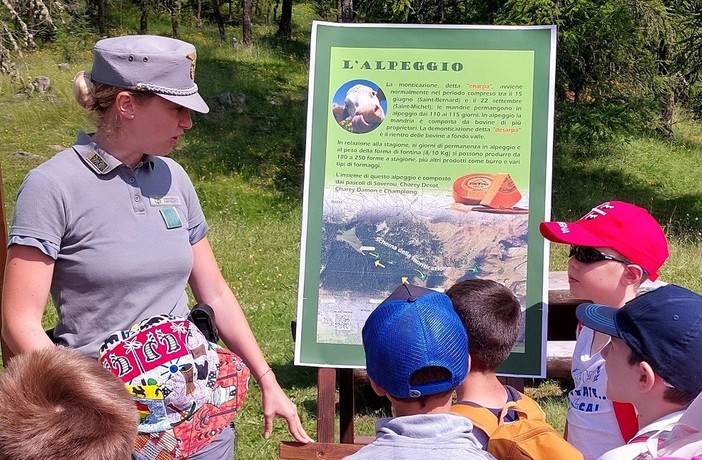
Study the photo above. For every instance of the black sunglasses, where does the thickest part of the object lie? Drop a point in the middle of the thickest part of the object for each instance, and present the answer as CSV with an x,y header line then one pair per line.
x,y
589,255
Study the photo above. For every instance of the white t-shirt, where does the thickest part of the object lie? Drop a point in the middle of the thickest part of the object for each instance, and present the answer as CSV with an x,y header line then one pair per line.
x,y
638,446
592,425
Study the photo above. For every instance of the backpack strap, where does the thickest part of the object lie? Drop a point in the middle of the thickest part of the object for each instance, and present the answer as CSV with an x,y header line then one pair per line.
x,y
526,408
481,417
485,420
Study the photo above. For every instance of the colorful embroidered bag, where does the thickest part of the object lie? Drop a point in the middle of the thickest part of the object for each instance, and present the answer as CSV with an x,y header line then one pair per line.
x,y
186,388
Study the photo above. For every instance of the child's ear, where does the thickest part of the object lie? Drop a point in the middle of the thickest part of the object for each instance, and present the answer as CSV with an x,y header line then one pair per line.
x,y
633,274
378,390
647,377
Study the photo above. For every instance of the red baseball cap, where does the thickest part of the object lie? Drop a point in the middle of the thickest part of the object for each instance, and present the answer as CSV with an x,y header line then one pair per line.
x,y
624,227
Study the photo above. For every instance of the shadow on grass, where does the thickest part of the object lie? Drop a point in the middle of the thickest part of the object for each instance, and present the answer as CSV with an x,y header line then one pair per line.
x,y
299,50
256,126
291,376
366,401
369,403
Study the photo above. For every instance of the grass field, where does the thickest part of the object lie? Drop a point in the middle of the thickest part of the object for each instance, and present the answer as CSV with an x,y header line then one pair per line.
x,y
246,159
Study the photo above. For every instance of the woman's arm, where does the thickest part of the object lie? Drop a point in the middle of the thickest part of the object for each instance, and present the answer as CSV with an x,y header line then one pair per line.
x,y
25,291
209,287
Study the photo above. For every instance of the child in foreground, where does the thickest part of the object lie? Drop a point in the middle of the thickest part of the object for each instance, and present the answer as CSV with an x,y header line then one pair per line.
x,y
60,404
491,315
653,361
416,355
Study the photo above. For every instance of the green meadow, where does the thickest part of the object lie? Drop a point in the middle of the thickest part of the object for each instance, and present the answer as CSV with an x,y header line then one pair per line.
x,y
246,159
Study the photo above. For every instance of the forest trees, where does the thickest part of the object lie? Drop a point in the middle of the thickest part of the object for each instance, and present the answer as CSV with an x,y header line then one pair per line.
x,y
21,23
621,64
26,23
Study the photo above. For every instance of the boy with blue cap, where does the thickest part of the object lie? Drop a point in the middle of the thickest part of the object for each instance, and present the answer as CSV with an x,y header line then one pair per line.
x,y
416,355
654,360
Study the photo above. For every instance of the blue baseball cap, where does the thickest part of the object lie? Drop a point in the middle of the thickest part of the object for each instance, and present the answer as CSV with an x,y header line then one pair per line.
x,y
412,329
165,66
663,326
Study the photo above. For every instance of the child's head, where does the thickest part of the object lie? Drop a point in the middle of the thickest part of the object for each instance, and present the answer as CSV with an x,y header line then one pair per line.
x,y
415,344
60,404
656,344
490,314
615,245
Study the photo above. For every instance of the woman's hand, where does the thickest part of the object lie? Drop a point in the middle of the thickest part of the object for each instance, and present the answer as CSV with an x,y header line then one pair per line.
x,y
209,287
277,404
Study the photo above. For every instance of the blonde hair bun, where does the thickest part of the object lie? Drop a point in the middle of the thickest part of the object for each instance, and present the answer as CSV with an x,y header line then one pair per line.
x,y
84,91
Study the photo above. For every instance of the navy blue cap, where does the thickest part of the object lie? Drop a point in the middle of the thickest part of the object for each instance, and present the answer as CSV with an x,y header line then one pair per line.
x,y
663,326
412,329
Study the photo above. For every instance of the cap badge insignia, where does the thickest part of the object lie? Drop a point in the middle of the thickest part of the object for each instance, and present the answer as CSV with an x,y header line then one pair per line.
x,y
193,58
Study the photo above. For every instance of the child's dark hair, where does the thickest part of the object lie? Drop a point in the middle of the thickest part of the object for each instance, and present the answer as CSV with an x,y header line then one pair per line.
x,y
490,313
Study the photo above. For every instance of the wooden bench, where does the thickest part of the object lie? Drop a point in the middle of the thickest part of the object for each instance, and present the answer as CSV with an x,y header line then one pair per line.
x,y
316,450
561,326
559,355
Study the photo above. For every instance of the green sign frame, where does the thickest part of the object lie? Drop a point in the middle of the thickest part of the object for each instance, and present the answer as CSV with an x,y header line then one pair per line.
x,y
428,161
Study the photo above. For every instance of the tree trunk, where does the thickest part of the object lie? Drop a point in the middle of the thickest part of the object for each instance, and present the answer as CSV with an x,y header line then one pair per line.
x,y
219,19
285,24
345,10
246,23
173,7
101,16
144,18
666,127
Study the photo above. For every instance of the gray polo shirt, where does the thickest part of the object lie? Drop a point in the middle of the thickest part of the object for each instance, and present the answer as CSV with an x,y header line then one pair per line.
x,y
121,238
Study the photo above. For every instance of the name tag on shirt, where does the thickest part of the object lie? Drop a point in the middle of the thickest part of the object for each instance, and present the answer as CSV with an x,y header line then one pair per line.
x,y
164,200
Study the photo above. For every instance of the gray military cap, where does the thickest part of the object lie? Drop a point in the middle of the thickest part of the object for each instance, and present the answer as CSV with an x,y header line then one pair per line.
x,y
162,65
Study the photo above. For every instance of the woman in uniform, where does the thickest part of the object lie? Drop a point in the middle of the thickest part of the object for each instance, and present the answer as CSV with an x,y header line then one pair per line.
x,y
112,227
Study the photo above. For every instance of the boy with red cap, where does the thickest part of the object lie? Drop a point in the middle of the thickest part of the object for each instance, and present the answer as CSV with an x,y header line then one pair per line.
x,y
613,249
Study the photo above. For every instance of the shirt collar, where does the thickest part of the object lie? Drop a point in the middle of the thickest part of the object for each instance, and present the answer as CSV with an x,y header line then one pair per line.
x,y
660,423
99,160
